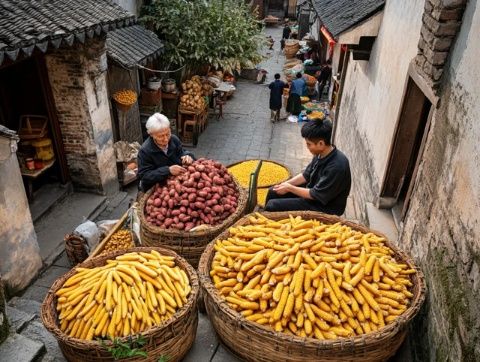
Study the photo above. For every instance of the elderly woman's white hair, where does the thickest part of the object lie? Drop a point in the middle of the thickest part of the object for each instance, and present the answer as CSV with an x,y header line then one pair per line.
x,y
157,122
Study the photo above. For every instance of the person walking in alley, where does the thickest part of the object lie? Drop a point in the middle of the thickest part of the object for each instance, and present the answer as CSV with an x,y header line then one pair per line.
x,y
285,35
276,91
297,90
323,77
324,185
161,155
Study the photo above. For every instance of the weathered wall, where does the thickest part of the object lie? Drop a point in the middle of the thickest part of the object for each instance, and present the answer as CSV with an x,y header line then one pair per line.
x,y
78,79
132,6
372,96
442,229
20,257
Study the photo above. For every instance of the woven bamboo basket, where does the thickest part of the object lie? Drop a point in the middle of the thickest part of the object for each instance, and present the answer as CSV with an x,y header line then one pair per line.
x,y
256,159
189,245
173,339
253,342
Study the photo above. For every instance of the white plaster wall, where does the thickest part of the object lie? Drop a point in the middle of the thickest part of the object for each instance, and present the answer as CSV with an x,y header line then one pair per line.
x,y
96,90
20,258
375,88
129,5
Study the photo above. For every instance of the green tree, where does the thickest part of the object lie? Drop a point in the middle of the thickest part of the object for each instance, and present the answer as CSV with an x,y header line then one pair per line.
x,y
220,33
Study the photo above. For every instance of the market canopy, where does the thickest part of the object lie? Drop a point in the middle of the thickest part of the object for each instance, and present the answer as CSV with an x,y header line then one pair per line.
x,y
133,45
29,24
340,15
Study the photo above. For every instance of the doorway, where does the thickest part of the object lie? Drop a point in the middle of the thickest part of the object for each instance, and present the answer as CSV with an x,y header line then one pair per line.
x,y
27,107
276,8
407,149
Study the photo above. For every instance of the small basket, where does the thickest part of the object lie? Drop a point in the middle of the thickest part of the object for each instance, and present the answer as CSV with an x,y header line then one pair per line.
x,y
172,339
191,244
76,248
256,343
125,107
32,127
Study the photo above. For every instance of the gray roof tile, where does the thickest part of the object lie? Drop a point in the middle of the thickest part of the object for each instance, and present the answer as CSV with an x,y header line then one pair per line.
x,y
340,15
133,45
24,23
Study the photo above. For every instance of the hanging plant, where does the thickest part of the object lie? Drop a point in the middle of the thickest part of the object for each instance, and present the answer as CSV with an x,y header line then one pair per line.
x,y
220,33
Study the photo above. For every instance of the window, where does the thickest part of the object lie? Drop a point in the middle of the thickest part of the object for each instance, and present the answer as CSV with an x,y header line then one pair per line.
x,y
406,150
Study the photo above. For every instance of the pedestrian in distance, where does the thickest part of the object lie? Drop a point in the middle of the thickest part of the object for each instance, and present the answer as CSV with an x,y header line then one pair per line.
x,y
323,77
276,91
324,185
298,89
161,155
285,35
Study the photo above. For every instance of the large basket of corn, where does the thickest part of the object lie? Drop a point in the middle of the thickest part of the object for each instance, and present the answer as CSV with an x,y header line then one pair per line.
x,y
143,299
271,173
186,219
305,286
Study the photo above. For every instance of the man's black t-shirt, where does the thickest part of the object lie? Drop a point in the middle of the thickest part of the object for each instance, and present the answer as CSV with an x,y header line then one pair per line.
x,y
329,181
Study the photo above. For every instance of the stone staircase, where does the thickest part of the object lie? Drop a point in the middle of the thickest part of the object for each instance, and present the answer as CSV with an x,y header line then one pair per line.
x,y
28,339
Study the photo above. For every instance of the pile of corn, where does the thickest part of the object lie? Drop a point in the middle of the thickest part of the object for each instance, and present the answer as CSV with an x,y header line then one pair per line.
x,y
126,97
310,279
270,174
120,240
262,196
316,115
126,296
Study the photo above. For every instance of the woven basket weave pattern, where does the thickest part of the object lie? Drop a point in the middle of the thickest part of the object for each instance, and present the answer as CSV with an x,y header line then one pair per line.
x,y
173,339
254,342
189,245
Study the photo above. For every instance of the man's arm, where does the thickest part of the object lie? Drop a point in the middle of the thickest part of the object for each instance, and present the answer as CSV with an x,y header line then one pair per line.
x,y
297,180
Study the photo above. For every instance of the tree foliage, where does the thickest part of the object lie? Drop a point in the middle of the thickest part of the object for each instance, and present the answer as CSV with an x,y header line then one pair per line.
x,y
220,33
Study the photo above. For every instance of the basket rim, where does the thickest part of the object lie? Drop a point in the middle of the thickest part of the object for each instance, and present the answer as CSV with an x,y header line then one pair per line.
x,y
210,231
264,160
418,280
100,260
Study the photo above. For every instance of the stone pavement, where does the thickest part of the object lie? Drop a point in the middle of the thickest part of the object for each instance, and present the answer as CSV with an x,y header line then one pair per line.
x,y
244,132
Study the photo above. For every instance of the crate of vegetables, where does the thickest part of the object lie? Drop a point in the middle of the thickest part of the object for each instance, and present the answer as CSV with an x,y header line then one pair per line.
x,y
188,211
305,286
143,299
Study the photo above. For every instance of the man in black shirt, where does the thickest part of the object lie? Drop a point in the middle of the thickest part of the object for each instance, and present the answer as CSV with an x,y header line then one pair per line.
x,y
324,185
161,154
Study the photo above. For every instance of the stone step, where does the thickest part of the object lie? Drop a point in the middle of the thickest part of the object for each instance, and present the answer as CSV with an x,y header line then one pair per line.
x,y
25,305
37,332
19,348
18,319
382,220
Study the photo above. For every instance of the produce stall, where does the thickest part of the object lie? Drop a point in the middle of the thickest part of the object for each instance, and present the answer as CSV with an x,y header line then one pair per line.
x,y
143,300
308,286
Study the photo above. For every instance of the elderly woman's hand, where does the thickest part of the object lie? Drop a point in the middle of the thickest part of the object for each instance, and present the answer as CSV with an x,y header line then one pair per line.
x,y
176,170
186,160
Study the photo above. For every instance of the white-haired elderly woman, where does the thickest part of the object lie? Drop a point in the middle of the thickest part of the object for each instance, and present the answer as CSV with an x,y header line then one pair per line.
x,y
161,154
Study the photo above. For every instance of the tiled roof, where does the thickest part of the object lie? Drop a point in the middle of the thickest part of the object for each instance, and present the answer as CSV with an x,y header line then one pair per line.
x,y
133,45
29,24
340,15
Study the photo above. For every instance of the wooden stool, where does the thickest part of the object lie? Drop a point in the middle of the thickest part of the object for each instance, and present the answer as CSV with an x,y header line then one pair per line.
x,y
193,133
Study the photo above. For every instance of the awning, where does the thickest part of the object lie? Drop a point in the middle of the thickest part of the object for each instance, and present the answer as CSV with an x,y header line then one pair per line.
x,y
133,45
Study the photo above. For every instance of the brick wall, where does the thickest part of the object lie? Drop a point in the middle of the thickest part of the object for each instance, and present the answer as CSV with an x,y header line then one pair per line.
x,y
78,79
441,22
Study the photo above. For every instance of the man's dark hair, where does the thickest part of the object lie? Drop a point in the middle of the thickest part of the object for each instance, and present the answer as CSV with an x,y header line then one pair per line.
x,y
277,76
318,130
299,75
